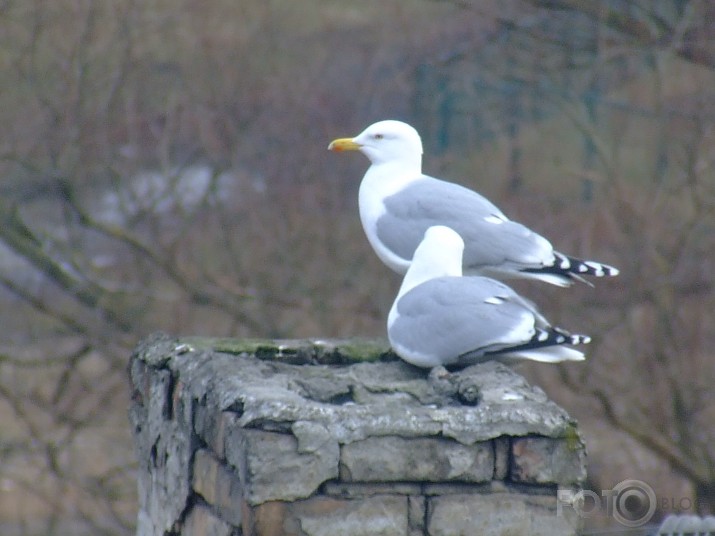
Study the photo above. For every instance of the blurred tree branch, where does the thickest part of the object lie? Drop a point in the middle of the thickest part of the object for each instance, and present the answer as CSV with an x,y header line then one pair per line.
x,y
641,23
199,294
23,241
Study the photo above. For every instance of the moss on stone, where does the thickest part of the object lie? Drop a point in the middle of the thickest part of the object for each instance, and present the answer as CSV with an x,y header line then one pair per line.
x,y
299,351
365,349
227,345
574,441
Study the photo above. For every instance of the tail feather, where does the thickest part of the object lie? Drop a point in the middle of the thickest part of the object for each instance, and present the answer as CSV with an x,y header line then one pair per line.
x,y
547,345
565,270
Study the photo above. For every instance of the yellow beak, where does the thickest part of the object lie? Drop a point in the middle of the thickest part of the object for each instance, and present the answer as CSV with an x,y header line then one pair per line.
x,y
343,144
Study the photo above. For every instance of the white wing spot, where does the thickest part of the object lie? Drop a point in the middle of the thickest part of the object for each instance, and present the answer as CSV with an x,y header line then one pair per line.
x,y
543,336
492,218
597,268
495,300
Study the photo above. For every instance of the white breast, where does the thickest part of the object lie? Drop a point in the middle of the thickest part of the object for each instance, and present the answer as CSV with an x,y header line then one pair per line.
x,y
380,182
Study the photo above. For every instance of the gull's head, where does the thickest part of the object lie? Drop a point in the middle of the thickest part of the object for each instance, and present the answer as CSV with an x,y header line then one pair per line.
x,y
384,141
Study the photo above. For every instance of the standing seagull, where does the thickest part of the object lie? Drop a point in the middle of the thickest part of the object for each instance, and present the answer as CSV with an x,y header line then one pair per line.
x,y
398,204
441,318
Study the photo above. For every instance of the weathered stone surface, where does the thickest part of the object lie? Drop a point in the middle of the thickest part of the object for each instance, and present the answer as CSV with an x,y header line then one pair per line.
x,y
314,438
381,515
271,467
218,485
496,515
543,460
384,459
201,521
416,514
211,425
161,424
370,399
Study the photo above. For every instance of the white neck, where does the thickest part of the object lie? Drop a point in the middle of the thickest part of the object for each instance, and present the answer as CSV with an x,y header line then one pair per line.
x,y
424,268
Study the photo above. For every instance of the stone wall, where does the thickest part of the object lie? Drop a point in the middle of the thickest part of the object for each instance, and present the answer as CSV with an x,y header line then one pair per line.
x,y
312,438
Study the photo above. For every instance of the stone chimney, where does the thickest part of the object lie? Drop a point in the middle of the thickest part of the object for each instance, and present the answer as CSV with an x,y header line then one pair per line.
x,y
313,438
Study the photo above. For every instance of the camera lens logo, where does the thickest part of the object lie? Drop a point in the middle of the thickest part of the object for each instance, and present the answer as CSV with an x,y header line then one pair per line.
x,y
632,503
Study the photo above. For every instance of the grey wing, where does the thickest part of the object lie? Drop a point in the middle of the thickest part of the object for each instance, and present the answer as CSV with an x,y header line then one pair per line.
x,y
491,239
450,316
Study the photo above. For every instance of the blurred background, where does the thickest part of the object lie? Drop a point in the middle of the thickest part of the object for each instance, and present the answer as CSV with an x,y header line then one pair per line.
x,y
164,167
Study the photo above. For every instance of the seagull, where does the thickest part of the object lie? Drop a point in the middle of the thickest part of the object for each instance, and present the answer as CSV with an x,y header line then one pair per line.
x,y
442,318
398,203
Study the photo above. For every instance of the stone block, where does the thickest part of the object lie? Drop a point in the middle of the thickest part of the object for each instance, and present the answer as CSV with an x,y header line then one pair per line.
x,y
271,467
497,515
380,515
218,485
431,459
543,460
267,519
201,521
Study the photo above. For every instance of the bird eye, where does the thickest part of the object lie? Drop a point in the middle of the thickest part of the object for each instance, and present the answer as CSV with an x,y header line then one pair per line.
x,y
378,136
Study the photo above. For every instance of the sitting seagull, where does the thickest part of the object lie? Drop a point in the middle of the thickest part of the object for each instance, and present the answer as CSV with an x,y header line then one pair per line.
x,y
398,203
442,318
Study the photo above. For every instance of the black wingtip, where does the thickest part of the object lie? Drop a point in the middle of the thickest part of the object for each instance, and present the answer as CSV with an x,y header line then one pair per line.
x,y
551,336
573,269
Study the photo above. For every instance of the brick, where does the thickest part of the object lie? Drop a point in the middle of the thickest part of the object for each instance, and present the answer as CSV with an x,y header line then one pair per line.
x,y
431,459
